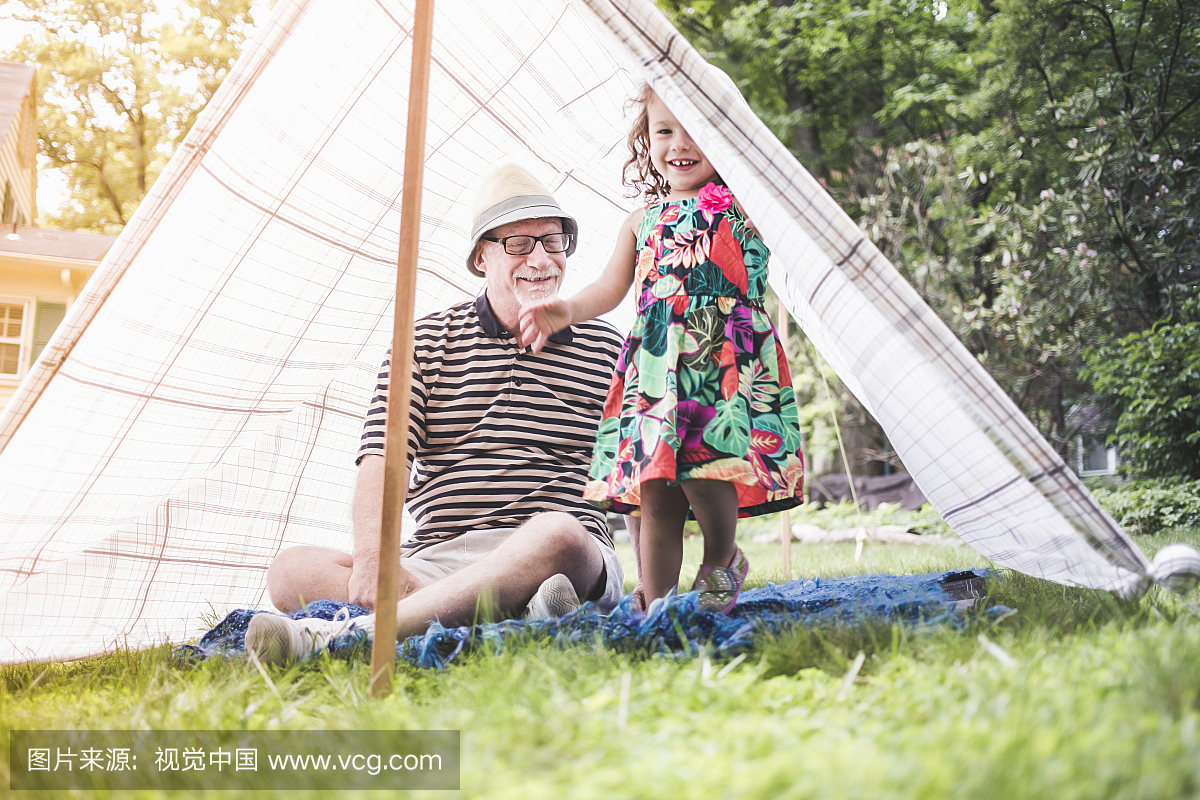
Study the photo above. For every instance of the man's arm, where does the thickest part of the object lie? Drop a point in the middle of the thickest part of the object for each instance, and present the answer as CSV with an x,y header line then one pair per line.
x,y
366,512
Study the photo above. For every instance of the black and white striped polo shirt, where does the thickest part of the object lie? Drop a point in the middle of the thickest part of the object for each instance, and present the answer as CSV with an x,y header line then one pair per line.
x,y
498,433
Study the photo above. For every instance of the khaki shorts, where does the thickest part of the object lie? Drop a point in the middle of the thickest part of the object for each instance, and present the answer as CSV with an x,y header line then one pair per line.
x,y
439,560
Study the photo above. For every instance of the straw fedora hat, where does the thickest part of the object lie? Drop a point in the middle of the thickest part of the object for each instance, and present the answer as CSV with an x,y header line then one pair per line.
x,y
509,193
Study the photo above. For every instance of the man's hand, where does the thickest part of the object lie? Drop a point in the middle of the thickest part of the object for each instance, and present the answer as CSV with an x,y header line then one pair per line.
x,y
363,586
539,321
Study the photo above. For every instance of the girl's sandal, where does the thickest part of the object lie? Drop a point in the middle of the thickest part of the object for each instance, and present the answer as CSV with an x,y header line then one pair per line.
x,y
719,586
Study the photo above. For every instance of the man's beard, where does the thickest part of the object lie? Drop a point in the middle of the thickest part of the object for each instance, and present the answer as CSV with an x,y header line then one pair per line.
x,y
550,289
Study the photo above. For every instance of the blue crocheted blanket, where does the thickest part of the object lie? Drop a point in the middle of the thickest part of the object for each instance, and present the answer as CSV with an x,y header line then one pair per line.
x,y
673,628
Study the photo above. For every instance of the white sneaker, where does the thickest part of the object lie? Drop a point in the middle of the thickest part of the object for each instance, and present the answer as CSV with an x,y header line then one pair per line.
x,y
555,597
279,640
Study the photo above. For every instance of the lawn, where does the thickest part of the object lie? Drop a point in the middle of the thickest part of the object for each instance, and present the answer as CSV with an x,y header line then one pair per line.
x,y
1076,695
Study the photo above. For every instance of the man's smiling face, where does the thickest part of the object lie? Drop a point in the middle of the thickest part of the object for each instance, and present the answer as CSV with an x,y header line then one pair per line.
x,y
513,281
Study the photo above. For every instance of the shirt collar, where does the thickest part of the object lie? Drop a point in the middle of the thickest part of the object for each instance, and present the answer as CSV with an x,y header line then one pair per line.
x,y
492,327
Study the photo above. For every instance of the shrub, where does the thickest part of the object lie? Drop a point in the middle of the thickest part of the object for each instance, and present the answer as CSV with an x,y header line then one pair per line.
x,y
1152,380
1149,506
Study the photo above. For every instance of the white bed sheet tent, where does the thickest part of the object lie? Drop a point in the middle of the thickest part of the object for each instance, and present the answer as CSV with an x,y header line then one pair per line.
x,y
200,407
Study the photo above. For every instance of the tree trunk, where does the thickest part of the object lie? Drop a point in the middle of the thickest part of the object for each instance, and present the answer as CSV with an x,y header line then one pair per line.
x,y
806,139
1058,419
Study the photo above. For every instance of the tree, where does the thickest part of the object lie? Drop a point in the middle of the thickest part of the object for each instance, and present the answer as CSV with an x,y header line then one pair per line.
x,y
834,78
1028,285
1101,104
1069,217
120,86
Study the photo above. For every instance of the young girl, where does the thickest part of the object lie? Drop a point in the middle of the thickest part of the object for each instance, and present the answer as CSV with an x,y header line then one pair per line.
x,y
700,414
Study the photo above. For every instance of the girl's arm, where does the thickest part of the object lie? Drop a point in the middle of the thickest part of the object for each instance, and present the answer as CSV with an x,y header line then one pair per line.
x,y
542,319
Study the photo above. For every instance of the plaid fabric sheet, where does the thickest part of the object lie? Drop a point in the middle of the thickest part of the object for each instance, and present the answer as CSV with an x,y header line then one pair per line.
x,y
199,408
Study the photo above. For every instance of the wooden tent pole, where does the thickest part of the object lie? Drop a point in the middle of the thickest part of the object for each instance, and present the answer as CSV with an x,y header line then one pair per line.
x,y
785,521
395,488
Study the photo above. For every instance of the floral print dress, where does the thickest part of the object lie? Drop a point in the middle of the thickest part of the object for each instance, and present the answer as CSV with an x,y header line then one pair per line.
x,y
701,389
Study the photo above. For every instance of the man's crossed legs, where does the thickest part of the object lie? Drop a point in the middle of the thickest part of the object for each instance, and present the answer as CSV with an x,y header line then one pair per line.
x,y
502,580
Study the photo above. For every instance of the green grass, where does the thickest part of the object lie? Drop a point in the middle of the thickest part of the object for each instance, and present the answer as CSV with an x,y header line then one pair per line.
x,y
1103,701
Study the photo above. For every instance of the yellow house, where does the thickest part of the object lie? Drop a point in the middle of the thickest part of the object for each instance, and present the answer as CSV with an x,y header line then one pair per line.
x,y
41,271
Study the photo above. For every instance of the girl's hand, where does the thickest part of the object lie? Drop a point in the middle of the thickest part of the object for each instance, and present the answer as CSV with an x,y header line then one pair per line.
x,y
541,320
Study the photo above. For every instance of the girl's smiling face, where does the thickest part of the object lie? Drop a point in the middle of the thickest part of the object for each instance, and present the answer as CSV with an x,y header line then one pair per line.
x,y
674,154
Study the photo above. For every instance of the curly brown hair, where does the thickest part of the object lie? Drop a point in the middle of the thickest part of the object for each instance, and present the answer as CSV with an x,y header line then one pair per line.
x,y
645,180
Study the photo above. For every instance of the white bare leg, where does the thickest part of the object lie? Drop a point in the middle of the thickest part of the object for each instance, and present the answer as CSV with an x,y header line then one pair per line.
x,y
300,574
505,579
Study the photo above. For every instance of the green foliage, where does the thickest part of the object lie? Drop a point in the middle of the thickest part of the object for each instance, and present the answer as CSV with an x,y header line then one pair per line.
x,y
1151,506
822,397
1152,382
925,209
119,88
818,401
1028,285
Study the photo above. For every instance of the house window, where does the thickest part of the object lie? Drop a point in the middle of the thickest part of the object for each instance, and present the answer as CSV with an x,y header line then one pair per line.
x,y
12,319
1096,457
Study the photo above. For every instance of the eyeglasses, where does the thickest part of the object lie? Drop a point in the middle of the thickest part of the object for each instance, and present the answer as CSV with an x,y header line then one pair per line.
x,y
523,245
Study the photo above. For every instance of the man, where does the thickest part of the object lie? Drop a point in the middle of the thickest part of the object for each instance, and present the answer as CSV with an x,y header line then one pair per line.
x,y
500,440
